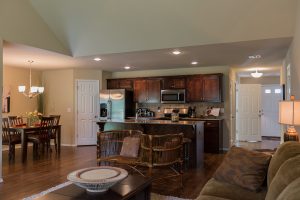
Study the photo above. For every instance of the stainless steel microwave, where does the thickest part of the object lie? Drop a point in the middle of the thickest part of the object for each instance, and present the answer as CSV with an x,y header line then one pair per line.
x,y
173,96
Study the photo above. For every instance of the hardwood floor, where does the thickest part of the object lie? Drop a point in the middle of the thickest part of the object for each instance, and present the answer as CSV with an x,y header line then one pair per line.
x,y
22,180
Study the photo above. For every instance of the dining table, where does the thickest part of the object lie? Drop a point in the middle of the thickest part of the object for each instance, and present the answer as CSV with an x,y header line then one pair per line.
x,y
24,130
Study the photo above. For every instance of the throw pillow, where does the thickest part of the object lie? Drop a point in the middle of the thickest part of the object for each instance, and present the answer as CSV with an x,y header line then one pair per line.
x,y
130,147
244,168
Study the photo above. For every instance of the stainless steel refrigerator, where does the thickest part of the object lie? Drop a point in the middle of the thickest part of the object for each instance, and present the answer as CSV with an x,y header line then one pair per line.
x,y
116,104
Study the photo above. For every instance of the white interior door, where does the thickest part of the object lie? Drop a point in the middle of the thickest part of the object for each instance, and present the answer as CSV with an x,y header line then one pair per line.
x,y
248,112
87,111
270,96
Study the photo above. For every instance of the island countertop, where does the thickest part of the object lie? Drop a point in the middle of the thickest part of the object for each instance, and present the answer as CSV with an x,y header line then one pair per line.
x,y
193,130
149,121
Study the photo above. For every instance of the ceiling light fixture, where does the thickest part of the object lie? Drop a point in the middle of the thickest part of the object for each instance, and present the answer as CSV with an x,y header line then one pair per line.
x,y
127,67
254,56
176,52
256,74
33,90
194,63
97,59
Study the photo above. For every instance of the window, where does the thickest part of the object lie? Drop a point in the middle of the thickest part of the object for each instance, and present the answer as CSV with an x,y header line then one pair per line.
x,y
267,91
277,91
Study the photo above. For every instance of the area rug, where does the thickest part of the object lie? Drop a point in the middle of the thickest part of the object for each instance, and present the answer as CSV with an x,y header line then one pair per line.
x,y
154,196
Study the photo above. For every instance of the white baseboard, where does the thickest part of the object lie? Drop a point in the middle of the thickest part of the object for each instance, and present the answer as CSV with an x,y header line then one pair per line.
x,y
225,149
69,145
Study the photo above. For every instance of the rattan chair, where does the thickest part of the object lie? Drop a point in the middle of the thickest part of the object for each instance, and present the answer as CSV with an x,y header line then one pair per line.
x,y
54,131
10,138
109,145
163,151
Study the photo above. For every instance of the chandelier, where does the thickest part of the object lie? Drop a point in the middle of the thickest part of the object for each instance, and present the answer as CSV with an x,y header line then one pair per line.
x,y
256,74
33,90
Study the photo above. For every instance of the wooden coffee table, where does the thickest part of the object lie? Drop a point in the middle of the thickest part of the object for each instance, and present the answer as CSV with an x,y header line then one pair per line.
x,y
133,187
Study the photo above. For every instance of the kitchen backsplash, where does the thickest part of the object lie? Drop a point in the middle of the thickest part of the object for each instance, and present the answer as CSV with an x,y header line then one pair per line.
x,y
200,107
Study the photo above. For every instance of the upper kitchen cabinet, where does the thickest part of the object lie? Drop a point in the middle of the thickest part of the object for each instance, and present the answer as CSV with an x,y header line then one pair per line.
x,y
120,84
205,88
173,83
147,90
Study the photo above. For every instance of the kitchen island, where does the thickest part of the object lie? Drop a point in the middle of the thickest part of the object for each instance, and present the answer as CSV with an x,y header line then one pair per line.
x,y
193,130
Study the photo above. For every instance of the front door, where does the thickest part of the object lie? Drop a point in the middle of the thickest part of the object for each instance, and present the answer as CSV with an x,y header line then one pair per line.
x,y
87,111
271,95
248,112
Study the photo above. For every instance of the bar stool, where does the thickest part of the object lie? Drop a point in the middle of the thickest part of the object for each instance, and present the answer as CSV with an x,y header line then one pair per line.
x,y
186,152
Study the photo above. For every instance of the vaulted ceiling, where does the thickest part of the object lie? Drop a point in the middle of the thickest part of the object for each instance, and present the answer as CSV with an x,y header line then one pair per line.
x,y
142,33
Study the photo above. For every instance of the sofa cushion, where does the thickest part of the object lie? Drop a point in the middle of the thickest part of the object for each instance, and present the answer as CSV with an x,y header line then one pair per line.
x,y
224,190
291,192
284,152
288,172
244,168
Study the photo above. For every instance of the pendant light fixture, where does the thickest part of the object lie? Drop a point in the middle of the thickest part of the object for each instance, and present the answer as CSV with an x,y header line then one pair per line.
x,y
33,90
256,74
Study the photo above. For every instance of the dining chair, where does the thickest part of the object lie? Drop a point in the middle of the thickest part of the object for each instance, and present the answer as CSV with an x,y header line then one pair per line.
x,y
15,120
54,130
41,139
10,138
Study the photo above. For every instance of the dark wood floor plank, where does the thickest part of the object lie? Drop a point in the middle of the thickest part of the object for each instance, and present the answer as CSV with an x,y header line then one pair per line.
x,y
22,180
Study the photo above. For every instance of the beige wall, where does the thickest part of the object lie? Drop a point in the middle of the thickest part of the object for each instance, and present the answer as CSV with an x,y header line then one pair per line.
x,y
12,78
263,80
1,84
293,59
89,74
190,71
59,99
60,96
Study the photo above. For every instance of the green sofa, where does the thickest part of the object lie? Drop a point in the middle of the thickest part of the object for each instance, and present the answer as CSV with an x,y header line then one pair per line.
x,y
283,180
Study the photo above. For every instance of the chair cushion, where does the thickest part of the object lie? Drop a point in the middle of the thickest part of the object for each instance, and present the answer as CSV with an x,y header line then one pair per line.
x,y
291,192
284,152
130,147
224,190
244,168
288,172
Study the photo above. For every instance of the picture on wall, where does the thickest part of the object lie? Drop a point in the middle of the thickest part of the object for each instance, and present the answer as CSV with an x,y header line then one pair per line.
x,y
6,100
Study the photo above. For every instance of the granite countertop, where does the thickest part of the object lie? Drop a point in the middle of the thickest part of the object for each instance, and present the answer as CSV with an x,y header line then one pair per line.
x,y
151,121
181,119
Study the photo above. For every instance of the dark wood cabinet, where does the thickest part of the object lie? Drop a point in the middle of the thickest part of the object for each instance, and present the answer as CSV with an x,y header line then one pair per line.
x,y
212,88
120,84
194,89
147,90
213,136
173,83
206,88
199,88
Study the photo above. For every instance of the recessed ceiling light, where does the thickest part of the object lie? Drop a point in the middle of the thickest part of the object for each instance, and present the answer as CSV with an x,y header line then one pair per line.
x,y
254,56
176,52
97,59
127,67
194,63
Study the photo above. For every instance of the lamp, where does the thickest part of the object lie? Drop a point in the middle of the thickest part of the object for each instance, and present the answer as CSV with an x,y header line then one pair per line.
x,y
256,74
289,113
33,90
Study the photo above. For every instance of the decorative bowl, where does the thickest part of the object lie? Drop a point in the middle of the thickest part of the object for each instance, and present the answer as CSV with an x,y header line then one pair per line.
x,y
97,179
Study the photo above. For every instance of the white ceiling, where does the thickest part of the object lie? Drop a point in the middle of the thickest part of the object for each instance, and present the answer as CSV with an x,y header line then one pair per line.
x,y
143,33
